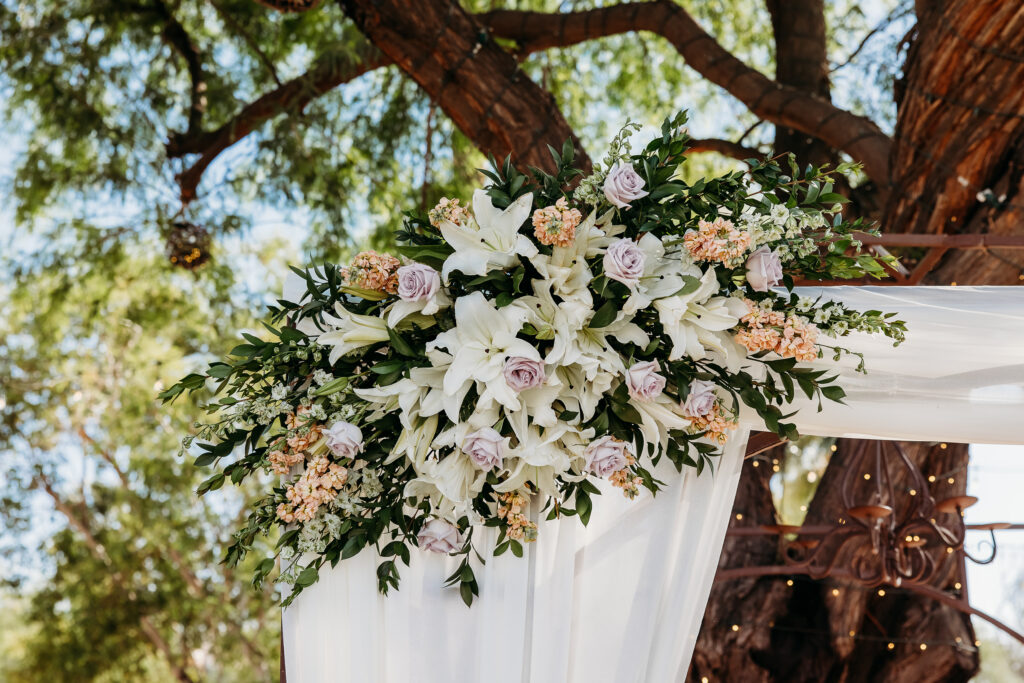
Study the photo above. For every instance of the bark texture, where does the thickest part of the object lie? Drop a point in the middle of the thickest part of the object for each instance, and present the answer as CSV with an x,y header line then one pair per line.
x,y
800,633
960,132
478,85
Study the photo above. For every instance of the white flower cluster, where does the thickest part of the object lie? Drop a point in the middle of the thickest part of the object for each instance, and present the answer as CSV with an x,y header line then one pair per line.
x,y
518,385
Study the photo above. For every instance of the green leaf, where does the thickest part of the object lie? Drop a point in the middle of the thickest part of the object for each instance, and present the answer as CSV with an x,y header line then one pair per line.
x,y
308,576
399,344
605,315
834,393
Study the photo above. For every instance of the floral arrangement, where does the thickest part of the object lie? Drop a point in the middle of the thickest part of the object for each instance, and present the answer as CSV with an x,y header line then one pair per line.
x,y
519,349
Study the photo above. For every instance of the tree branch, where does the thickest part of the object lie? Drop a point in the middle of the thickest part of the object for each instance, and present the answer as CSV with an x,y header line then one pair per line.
x,y
785,106
535,31
100,553
179,40
327,73
724,147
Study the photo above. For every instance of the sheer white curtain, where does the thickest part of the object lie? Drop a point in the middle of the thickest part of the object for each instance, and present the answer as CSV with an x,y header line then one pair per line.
x,y
958,377
622,599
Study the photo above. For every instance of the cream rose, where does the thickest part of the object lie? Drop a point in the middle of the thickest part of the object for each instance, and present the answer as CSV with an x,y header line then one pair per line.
x,y
523,373
439,536
485,447
644,382
417,282
764,269
623,185
344,439
607,455
700,400
624,261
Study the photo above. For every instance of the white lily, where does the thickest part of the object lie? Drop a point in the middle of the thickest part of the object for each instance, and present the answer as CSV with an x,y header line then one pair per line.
x,y
657,418
558,321
696,320
401,309
580,393
495,243
482,339
351,331
566,270
539,458
663,275
591,349
404,395
450,483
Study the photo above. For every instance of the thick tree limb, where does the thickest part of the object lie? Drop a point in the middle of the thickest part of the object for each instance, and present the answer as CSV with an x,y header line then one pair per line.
x,y
725,147
535,31
328,72
478,84
782,105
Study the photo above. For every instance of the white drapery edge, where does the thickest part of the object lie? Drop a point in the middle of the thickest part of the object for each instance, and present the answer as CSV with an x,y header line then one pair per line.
x,y
959,377
621,599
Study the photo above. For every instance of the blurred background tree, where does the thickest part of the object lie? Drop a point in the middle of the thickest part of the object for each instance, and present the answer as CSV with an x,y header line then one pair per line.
x,y
164,159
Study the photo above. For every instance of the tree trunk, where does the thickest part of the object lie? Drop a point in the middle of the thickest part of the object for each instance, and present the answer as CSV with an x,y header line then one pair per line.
x,y
478,84
958,151
801,61
960,132
795,630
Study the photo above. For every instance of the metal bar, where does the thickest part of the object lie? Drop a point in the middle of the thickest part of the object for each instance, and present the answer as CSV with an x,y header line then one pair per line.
x,y
966,241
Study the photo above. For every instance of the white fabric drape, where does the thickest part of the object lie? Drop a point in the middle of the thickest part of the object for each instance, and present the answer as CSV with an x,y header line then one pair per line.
x,y
622,599
958,377
618,600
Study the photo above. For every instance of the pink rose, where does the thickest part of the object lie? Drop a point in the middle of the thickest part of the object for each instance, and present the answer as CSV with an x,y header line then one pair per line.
x,y
607,455
485,447
643,380
624,261
439,536
623,185
764,269
417,282
522,373
700,400
344,439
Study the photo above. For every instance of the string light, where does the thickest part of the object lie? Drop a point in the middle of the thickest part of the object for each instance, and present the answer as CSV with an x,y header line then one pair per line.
x,y
735,627
739,516
789,582
881,592
957,585
835,592
924,646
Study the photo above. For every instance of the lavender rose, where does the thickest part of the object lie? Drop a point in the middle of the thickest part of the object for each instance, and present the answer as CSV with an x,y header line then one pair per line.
x,y
523,373
764,269
417,282
344,439
623,185
607,455
700,400
624,261
439,536
644,382
485,447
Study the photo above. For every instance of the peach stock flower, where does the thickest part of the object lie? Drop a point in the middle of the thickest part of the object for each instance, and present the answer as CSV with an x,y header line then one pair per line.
x,y
713,426
717,240
448,210
374,271
556,225
319,484
510,509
